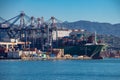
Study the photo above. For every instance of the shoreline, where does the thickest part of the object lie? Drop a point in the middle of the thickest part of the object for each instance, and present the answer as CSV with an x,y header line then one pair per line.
x,y
49,59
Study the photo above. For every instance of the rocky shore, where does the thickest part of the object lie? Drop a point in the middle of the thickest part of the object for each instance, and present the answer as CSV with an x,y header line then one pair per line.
x,y
110,54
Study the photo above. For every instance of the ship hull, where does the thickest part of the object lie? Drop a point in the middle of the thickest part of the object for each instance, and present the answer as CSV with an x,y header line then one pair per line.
x,y
92,51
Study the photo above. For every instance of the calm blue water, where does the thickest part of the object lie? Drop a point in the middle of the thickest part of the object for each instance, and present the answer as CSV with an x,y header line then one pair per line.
x,y
106,69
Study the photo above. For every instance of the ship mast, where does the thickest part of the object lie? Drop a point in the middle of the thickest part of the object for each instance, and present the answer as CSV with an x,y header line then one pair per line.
x,y
95,41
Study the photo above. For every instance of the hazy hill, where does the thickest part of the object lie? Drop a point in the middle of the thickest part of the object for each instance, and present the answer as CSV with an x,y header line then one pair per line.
x,y
100,28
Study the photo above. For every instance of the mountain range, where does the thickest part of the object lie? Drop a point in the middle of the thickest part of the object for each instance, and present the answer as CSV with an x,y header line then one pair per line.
x,y
100,28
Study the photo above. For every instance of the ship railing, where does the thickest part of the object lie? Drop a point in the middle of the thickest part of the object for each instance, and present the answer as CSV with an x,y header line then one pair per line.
x,y
95,44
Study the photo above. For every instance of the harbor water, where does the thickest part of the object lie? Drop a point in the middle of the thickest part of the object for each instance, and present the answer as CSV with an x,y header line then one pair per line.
x,y
106,69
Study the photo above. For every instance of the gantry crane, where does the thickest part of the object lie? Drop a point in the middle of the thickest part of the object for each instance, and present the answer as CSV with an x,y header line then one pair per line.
x,y
32,29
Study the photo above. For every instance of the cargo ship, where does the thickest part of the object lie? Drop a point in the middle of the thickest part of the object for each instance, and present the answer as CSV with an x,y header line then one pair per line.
x,y
77,43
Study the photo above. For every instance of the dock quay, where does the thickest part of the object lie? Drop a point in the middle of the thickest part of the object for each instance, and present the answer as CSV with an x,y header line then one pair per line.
x,y
63,58
58,54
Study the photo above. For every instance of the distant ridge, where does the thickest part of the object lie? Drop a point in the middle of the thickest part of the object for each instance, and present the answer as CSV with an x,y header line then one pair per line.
x,y
100,28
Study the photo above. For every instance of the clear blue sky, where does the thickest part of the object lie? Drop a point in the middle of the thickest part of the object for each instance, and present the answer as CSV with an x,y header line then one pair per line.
x,y
64,10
